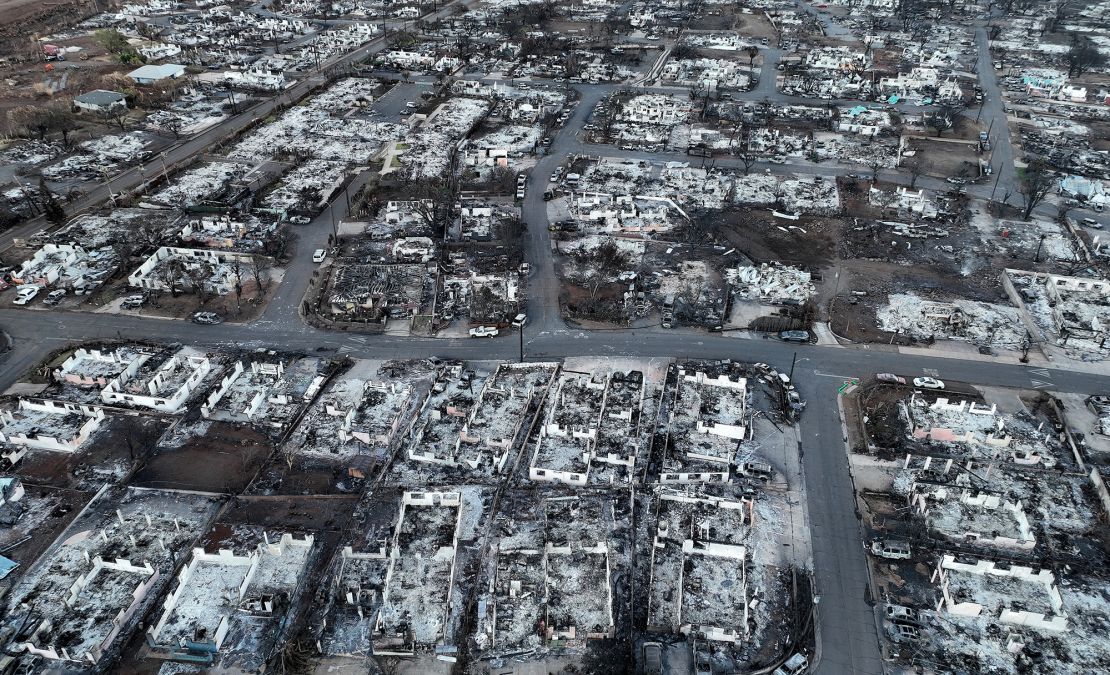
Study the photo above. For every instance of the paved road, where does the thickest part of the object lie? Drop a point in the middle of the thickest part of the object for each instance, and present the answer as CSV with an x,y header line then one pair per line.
x,y
993,114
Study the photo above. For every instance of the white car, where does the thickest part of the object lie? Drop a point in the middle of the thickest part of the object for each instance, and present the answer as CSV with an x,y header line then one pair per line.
x,y
927,383
132,302
319,255
484,331
520,320
26,294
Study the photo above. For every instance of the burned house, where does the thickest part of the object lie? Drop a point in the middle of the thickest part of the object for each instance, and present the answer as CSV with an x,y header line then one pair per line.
x,y
706,419
421,575
591,417
220,596
699,564
376,293
493,423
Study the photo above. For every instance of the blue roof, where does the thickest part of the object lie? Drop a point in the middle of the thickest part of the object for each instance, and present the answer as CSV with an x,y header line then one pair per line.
x,y
6,566
893,99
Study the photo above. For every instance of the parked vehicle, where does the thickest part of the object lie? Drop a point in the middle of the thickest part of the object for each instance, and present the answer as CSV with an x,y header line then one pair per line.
x,y
132,302
520,320
484,331
890,377
760,471
795,665
54,297
207,318
892,549
927,383
26,294
653,658
794,336
319,255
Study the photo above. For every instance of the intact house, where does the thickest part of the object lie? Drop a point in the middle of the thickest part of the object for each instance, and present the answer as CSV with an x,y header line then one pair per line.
x,y
101,101
921,82
153,74
258,76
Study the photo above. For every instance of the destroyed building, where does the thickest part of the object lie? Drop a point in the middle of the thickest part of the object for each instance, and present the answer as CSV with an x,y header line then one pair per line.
x,y
219,596
162,381
194,270
265,392
706,419
492,424
698,583
421,575
87,593
590,417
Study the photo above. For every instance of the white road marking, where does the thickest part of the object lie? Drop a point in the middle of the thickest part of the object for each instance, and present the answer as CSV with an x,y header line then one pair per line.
x,y
839,377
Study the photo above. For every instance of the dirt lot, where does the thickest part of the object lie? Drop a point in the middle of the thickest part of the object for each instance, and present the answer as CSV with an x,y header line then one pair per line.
x,y
224,459
748,25
309,475
12,11
306,514
750,233
115,446
944,157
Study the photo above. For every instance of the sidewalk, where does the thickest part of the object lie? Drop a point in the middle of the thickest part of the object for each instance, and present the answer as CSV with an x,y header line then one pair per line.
x,y
952,349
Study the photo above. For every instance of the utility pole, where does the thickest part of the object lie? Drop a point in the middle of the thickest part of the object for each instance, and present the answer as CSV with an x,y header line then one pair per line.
x,y
334,228
792,363
108,184
521,333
